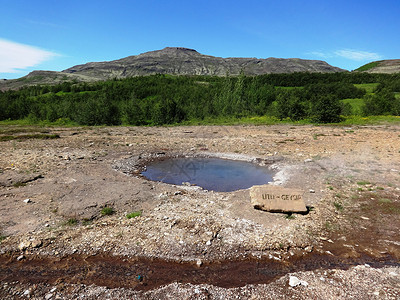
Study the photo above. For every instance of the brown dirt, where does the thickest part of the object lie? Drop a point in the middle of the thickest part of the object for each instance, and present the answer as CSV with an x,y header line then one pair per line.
x,y
350,176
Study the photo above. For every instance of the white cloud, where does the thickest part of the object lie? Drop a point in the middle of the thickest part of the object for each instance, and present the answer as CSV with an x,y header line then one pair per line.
x,y
15,57
358,55
320,54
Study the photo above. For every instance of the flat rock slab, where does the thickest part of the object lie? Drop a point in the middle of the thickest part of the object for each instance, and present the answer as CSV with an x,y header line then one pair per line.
x,y
277,199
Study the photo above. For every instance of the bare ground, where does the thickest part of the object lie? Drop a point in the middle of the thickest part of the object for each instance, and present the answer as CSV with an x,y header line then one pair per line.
x,y
192,243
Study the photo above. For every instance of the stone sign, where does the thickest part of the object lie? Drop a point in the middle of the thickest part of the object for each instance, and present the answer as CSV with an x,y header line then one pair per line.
x,y
274,198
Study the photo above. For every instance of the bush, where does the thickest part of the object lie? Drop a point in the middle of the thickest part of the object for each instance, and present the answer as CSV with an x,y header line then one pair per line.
x,y
134,214
326,109
107,211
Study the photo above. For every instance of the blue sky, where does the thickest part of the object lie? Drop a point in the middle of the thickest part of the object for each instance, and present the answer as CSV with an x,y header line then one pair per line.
x,y
55,35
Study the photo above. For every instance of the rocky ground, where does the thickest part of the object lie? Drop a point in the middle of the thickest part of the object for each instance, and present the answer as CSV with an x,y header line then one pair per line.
x,y
59,242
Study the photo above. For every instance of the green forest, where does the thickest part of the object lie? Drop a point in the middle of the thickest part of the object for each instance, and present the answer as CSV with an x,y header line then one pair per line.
x,y
167,99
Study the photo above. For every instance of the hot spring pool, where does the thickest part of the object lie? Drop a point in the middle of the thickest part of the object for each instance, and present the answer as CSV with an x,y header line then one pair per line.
x,y
216,174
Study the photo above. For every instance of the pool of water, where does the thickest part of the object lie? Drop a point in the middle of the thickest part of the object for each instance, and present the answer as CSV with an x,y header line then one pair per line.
x,y
214,174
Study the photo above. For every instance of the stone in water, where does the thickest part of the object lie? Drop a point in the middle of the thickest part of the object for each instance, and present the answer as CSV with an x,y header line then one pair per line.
x,y
277,199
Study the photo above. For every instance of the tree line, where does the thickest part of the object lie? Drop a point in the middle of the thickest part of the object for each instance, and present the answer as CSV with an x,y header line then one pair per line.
x,y
166,99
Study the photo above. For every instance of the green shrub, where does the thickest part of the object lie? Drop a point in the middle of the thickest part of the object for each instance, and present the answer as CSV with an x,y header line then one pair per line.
x,y
71,222
134,214
107,211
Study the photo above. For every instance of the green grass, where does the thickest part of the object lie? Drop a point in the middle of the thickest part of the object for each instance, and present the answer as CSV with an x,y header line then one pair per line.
x,y
363,182
368,66
40,136
356,105
107,211
368,87
385,200
2,238
134,214
250,120
19,184
71,222
370,120
338,206
290,216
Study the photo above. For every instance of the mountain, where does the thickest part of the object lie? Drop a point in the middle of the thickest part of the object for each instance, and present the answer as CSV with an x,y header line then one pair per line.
x,y
171,60
389,66
183,61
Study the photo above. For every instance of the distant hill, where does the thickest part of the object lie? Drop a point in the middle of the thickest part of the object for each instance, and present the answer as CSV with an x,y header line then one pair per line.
x,y
389,66
171,60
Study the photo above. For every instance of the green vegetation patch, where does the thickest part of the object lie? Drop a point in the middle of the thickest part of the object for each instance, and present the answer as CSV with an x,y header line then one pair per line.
x,y
368,66
356,105
338,206
363,182
134,214
368,87
40,136
107,211
71,222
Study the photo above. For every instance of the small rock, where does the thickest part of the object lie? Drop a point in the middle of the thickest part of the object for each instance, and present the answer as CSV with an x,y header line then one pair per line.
x,y
21,257
53,290
312,191
294,281
24,245
36,243
28,201
364,218
208,243
308,160
308,249
48,296
46,225
178,193
27,292
199,263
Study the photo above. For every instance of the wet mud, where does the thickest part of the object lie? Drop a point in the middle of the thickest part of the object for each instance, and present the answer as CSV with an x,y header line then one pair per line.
x,y
146,274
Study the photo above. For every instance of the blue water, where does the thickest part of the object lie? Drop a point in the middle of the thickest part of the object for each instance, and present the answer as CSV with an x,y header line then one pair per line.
x,y
216,174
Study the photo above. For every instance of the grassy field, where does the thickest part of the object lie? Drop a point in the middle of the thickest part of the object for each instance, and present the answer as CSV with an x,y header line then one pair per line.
x,y
7,126
356,105
368,87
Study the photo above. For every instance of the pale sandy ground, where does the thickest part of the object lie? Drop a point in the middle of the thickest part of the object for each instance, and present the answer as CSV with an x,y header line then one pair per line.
x,y
75,176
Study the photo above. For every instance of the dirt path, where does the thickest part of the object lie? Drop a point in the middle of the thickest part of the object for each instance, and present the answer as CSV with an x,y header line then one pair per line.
x,y
350,177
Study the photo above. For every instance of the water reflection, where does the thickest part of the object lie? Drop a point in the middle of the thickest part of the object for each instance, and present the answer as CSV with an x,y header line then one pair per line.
x,y
215,174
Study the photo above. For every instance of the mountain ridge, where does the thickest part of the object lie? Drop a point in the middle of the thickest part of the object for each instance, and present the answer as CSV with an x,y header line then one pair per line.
x,y
186,61
174,61
387,66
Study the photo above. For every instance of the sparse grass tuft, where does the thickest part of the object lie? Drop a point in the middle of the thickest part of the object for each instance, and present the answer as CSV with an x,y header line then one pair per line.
x,y
71,222
19,184
290,216
40,136
363,182
338,206
385,200
134,214
107,211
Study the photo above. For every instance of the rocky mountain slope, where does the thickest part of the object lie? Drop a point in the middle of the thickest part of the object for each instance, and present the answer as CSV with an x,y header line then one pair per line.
x,y
389,66
171,60
183,61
